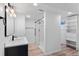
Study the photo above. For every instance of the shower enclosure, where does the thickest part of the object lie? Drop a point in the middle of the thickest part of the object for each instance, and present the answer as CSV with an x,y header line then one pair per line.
x,y
40,31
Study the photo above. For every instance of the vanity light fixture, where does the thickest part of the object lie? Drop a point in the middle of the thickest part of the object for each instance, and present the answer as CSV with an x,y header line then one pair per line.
x,y
11,10
14,15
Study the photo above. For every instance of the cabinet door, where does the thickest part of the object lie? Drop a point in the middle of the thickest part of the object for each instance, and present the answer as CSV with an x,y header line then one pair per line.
x,y
12,51
17,51
23,50
37,35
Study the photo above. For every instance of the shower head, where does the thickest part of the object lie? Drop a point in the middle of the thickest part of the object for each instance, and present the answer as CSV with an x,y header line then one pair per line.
x,y
41,10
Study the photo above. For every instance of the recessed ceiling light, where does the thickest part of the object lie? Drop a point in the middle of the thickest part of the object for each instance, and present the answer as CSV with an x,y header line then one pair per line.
x,y
28,16
35,4
69,13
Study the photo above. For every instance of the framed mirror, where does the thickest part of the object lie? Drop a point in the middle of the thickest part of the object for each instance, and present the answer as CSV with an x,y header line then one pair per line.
x,y
9,24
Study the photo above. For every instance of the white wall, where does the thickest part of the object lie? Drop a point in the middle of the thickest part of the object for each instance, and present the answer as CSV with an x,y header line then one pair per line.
x,y
52,33
77,36
3,39
20,25
63,30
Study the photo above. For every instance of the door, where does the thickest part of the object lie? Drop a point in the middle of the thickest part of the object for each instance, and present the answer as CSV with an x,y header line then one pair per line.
x,y
30,34
41,34
37,31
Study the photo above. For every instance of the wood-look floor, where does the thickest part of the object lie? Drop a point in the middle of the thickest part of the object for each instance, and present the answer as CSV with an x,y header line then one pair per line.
x,y
33,50
67,52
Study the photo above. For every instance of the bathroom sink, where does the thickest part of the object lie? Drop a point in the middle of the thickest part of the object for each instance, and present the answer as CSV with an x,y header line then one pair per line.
x,y
17,42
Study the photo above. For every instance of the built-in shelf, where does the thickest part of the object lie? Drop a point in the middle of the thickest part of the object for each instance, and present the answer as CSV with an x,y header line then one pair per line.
x,y
71,31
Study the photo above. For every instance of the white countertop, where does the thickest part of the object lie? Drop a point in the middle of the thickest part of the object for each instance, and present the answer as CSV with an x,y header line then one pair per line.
x,y
17,42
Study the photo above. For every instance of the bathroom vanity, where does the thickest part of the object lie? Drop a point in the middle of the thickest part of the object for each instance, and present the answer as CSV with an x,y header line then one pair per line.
x,y
18,47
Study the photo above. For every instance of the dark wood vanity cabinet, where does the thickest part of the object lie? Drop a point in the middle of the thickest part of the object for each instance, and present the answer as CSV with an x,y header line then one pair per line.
x,y
17,51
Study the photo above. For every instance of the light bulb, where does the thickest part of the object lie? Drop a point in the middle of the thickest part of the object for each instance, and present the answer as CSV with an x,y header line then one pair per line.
x,y
7,10
14,15
10,15
12,11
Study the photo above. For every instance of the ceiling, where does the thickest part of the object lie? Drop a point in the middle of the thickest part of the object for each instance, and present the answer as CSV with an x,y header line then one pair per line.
x,y
25,7
30,9
73,7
